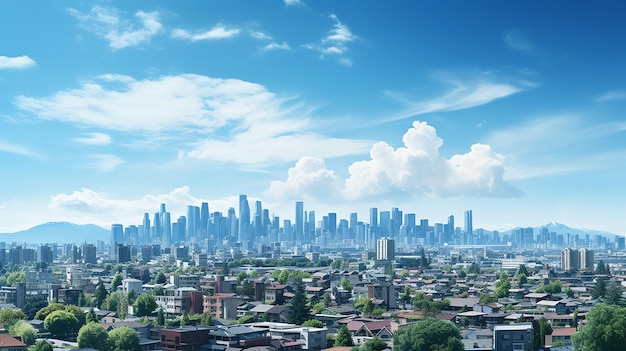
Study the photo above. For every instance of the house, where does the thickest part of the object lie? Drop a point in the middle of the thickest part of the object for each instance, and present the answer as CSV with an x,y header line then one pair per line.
x,y
561,334
513,337
221,305
275,294
185,338
363,330
307,338
9,343
385,292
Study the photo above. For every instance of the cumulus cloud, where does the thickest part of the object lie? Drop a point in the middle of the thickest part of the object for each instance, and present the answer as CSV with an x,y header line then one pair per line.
x,y
276,46
18,62
119,32
415,169
260,35
335,43
226,120
217,32
309,178
98,139
293,2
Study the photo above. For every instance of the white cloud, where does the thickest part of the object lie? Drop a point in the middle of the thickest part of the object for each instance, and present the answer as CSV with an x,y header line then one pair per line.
x,y
217,32
307,179
260,35
224,120
611,95
414,170
462,96
518,40
98,139
17,150
335,43
293,2
276,46
120,33
18,62
103,162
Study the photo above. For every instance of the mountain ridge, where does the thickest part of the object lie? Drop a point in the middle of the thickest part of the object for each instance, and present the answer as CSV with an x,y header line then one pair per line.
x,y
60,232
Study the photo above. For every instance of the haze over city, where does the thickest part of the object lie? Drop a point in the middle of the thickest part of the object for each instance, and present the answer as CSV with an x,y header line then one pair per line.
x,y
513,110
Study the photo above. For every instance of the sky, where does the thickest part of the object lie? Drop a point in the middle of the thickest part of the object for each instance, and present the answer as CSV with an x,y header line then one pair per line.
x,y
514,110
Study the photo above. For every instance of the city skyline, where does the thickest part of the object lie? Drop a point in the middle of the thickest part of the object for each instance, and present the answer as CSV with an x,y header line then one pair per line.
x,y
512,110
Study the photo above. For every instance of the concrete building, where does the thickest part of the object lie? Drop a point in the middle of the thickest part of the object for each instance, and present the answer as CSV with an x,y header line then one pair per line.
x,y
513,337
385,249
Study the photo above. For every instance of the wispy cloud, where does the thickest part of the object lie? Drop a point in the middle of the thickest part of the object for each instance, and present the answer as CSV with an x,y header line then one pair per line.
x,y
518,40
18,150
611,95
103,162
294,2
98,139
18,62
225,120
335,43
260,35
218,32
119,32
462,96
276,46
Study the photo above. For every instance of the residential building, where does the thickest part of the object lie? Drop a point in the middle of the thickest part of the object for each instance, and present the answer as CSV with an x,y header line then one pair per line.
x,y
515,337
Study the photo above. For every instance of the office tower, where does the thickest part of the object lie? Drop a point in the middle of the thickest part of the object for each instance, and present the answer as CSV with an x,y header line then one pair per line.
x,y
374,223
192,219
203,230
354,219
158,227
385,249
145,235
469,227
396,222
385,222
450,230
299,229
45,254
569,259
529,237
287,231
122,253
312,225
167,229
117,236
585,259
343,230
332,225
244,219
233,225
180,236
89,254
409,223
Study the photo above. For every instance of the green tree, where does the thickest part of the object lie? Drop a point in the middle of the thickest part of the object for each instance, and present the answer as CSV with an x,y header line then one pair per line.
x,y
160,317
144,305
541,328
16,277
486,299
522,279
602,268
92,335
405,297
91,316
605,329
246,289
160,278
61,323
158,291
24,330
368,307
344,338
78,313
33,304
8,317
43,345
613,295
123,339
313,323
132,296
117,281
374,344
522,270
600,288
100,294
346,284
241,277
428,334
44,312
474,268
299,311
503,285
327,299
206,319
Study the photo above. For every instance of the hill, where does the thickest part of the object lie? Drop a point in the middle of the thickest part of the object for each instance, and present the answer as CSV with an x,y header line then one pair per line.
x,y
60,232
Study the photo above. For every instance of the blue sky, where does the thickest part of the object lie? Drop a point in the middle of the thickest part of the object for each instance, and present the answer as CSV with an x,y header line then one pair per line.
x,y
513,110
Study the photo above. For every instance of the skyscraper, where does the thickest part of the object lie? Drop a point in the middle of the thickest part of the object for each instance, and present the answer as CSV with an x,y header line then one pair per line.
x,y
299,232
244,219
204,221
385,249
167,229
373,224
469,227
117,236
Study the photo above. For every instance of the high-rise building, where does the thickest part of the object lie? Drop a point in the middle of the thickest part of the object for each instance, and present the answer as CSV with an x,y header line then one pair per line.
x,y
374,223
244,219
385,249
167,229
145,235
299,229
469,226
586,259
569,259
117,236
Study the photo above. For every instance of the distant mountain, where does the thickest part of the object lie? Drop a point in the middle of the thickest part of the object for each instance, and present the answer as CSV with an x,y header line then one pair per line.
x,y
559,228
60,232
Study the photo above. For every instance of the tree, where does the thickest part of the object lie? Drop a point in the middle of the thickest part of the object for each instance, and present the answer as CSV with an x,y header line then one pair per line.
x,y
145,305
299,311
160,317
374,344
24,330
16,277
613,295
313,323
78,313
44,312
522,270
522,279
405,297
117,281
160,278
8,317
206,319
100,294
600,289
33,304
92,335
474,268
327,299
346,284
60,323
43,345
428,334
132,296
486,299
541,328
605,329
368,307
602,268
344,338
123,339
91,316
503,285
246,289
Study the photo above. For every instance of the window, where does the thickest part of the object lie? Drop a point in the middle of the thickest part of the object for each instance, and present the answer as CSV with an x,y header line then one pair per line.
x,y
518,346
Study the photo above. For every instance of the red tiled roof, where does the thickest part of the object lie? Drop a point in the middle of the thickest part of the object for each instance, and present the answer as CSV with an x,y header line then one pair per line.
x,y
8,340
564,332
